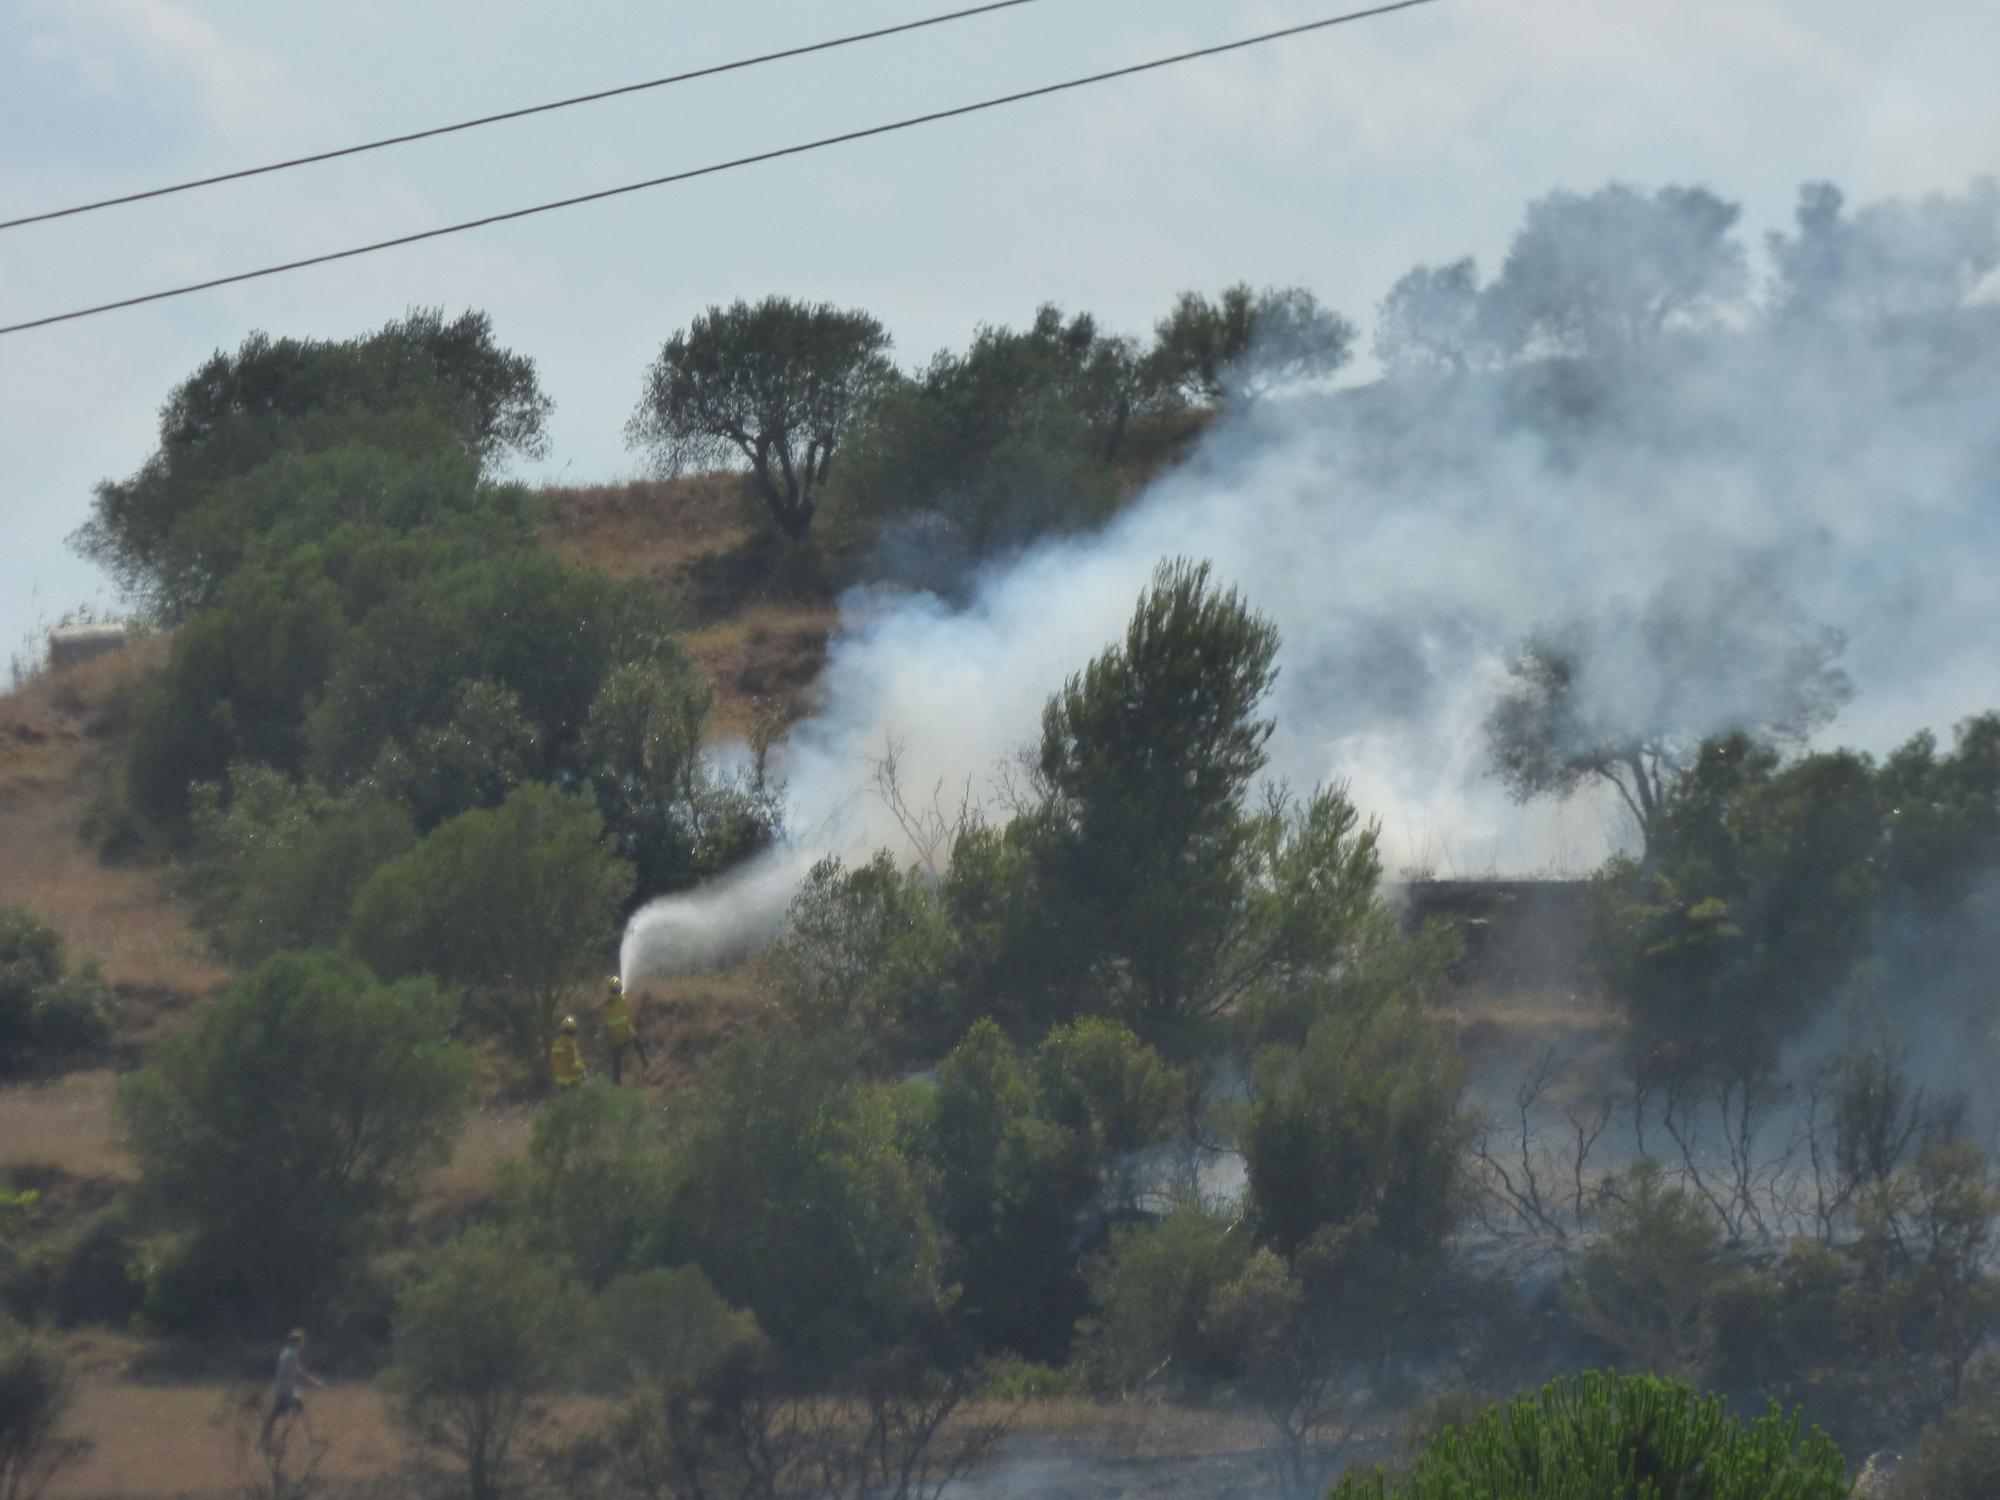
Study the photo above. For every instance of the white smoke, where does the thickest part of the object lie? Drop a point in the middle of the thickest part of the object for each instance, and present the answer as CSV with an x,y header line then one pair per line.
x,y
1404,536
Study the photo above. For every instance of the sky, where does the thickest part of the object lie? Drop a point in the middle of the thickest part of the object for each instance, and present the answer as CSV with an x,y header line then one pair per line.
x,y
1334,161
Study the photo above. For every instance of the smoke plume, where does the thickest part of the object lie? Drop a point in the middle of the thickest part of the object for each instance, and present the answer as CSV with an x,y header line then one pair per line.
x,y
1405,535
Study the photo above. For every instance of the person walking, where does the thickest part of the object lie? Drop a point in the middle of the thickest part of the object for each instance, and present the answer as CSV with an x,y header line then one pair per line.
x,y
285,1397
619,1031
566,1057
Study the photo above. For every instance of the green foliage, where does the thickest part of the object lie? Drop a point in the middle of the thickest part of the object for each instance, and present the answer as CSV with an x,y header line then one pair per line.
x,y
1362,1124
1602,1437
546,633
421,390
1958,1456
276,865
51,1015
1011,1183
512,905
867,950
1152,1294
1011,440
592,1194
774,386
1247,343
483,750
36,1393
480,1342
666,1327
284,1127
794,1196
1645,1284
1159,884
672,816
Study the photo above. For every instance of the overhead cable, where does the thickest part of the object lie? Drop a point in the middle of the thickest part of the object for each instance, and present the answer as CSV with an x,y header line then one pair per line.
x,y
725,166
513,114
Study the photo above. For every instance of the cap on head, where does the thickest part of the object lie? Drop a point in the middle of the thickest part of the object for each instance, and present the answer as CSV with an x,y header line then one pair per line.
x,y
615,985
569,1023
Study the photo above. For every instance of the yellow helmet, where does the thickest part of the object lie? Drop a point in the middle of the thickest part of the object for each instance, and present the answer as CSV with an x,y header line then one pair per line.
x,y
569,1023
615,985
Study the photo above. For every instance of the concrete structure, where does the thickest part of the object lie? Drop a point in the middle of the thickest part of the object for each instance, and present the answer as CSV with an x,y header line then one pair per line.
x,y
1518,934
70,644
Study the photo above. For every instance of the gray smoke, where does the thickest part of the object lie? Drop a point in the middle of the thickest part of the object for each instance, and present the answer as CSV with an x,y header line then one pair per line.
x,y
1403,536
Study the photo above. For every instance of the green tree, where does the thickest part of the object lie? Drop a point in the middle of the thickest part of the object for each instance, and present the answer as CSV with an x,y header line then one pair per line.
x,y
512,905
1437,320
794,1195
480,1343
422,388
592,1193
774,386
1592,274
1613,1438
671,814
286,1125
1012,439
51,1015
1152,1293
276,865
1145,760
1247,343
1644,1286
1627,699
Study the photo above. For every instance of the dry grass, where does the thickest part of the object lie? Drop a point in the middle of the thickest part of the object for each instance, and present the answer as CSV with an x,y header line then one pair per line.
x,y
763,663
67,1125
461,1187
56,737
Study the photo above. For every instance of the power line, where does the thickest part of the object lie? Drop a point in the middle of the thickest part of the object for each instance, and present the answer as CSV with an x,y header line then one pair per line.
x,y
515,114
725,166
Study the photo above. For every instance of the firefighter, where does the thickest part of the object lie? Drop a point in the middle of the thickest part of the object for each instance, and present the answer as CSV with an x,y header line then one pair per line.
x,y
566,1057
618,1028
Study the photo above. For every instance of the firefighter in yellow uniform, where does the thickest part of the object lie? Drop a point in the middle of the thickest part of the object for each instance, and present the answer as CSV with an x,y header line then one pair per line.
x,y
566,1057
618,1029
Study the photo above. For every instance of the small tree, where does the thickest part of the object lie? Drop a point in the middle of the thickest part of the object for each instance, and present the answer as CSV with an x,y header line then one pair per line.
x,y
1247,343
479,1343
36,1393
592,1193
1644,1285
1590,274
774,386
1625,699
50,1013
514,905
285,1126
1438,320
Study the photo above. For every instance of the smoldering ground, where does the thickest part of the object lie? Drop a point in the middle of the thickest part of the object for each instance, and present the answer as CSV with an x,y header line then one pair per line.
x,y
1742,467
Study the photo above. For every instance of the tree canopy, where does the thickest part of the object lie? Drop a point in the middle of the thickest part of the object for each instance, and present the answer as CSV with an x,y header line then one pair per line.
x,y
774,386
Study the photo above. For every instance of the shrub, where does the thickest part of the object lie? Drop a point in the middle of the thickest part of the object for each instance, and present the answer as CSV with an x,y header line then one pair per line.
x,y
50,1015
1958,1456
1603,1437
1643,1286
35,1397
513,905
479,1343
592,1193
285,1126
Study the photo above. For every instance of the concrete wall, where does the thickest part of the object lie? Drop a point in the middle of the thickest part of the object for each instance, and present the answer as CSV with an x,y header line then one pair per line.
x,y
69,644
1518,934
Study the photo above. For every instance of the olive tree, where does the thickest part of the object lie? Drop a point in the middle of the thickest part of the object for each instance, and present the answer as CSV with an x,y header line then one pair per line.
x,y
1246,343
773,386
284,1127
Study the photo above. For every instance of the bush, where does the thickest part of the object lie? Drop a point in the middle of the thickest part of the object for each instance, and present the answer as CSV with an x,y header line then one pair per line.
x,y
50,1015
95,1279
35,1396
479,1343
1958,1456
512,905
793,1194
1603,1437
276,865
866,949
284,1128
592,1193
1643,1286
